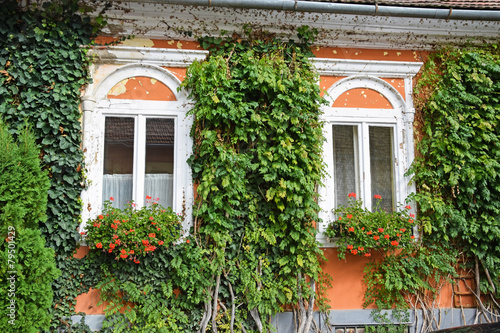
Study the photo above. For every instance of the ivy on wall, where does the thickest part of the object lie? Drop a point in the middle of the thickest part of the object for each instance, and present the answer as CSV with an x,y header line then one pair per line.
x,y
257,162
458,171
42,70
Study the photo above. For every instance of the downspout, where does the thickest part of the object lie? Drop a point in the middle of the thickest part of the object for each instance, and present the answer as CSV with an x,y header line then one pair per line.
x,y
342,8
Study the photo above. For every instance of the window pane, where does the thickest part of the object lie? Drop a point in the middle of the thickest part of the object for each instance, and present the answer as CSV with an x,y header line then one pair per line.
x,y
381,166
118,159
158,182
345,162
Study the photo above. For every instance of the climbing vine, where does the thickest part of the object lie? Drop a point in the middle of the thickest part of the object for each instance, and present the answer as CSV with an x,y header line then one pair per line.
x,y
458,170
42,69
257,163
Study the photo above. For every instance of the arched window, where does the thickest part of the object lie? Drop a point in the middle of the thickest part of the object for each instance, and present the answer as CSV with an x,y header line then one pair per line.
x,y
136,140
368,137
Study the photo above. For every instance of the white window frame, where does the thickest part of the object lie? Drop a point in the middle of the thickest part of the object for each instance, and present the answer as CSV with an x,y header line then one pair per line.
x,y
145,62
367,74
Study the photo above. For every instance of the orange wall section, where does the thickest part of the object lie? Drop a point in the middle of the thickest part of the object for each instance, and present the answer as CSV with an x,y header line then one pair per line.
x,y
362,98
143,88
348,289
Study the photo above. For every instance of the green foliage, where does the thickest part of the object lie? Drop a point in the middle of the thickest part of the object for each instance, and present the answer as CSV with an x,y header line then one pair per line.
x,y
159,294
416,271
458,172
31,267
23,183
257,162
360,231
42,70
132,233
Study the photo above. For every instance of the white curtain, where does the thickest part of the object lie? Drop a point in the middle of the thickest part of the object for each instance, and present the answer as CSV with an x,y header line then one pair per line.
x,y
119,186
160,185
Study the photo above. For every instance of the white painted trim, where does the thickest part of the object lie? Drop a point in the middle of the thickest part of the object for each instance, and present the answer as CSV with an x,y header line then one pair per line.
x,y
146,55
378,68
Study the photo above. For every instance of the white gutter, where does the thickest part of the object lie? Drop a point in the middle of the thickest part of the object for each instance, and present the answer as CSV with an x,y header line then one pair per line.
x,y
342,8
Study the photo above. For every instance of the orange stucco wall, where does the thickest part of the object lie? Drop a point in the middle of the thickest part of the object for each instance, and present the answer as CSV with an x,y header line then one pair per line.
x,y
347,289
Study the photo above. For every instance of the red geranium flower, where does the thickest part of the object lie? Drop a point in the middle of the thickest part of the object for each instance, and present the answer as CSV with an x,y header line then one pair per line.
x,y
161,242
349,247
369,232
123,256
351,229
408,207
98,245
380,229
354,251
351,195
111,246
101,217
387,236
376,237
367,254
188,241
349,216
377,196
412,237
394,243
111,198
145,242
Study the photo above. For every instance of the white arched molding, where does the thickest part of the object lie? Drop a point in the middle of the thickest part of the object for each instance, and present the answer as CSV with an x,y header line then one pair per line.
x,y
96,105
368,75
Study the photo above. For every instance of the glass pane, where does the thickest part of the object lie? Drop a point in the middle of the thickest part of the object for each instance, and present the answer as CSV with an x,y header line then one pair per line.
x,y
345,162
118,159
159,160
381,167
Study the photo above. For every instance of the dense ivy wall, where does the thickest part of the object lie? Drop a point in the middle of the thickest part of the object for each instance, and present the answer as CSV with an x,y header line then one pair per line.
x,y
458,170
42,69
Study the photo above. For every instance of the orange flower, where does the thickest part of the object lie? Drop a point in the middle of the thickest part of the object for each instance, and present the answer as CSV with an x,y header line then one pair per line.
x,y
161,242
123,256
188,241
152,235
351,195
387,236
111,198
349,216
349,247
369,232
351,229
354,251
377,196
131,252
145,242
367,254
402,229
101,217
376,237
111,246
412,237
340,218
98,245
118,242
394,243
411,221
380,229
408,207
148,197
360,248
